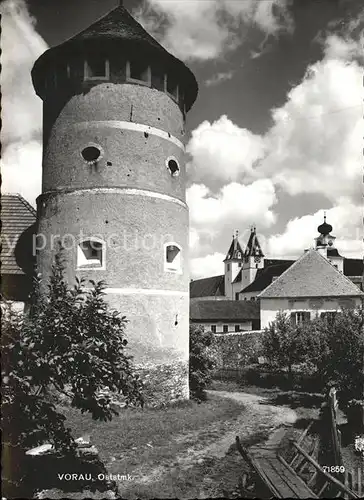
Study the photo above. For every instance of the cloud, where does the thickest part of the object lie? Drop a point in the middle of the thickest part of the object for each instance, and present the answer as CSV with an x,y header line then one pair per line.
x,y
219,78
207,29
300,232
223,151
210,265
21,108
313,146
235,204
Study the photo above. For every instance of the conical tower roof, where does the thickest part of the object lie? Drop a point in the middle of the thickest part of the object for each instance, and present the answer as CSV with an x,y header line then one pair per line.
x,y
235,251
116,28
253,248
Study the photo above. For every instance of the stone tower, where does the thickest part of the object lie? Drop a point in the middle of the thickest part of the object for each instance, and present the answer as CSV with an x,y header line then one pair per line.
x,y
114,180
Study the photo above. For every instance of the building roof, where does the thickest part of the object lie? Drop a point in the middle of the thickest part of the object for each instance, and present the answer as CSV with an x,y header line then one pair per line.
x,y
353,267
208,287
264,277
224,310
119,26
333,252
253,248
235,251
18,217
311,275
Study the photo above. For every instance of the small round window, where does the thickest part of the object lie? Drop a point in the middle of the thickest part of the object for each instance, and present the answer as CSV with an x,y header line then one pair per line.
x,y
173,166
91,154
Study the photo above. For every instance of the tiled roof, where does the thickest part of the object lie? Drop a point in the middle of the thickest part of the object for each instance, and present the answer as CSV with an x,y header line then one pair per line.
x,y
208,287
224,310
17,217
311,275
119,25
264,277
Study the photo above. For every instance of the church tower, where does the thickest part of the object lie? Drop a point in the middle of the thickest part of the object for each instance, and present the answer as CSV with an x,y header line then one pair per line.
x,y
325,245
253,259
114,180
233,263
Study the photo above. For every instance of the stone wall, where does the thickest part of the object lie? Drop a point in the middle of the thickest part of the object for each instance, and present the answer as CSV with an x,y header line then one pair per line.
x,y
238,350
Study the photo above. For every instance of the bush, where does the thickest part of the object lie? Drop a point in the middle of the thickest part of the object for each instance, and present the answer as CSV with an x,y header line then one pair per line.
x,y
202,361
71,344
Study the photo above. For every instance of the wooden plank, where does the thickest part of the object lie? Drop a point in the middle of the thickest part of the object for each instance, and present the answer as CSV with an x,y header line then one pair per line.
x,y
312,478
307,492
301,438
318,467
360,483
325,485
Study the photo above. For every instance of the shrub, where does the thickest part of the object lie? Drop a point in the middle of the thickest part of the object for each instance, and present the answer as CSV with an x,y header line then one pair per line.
x,y
71,344
201,361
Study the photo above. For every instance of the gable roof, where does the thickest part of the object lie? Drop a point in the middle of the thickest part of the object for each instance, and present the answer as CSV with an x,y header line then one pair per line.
x,y
208,287
264,277
311,275
224,310
118,26
18,217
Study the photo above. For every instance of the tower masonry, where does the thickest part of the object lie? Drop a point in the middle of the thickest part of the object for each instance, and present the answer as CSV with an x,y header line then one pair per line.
x,y
114,181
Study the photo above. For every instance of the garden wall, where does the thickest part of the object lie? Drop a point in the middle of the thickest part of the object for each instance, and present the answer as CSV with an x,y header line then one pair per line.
x,y
234,351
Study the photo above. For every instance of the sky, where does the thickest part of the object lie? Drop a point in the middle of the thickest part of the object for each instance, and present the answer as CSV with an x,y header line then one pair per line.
x,y
275,136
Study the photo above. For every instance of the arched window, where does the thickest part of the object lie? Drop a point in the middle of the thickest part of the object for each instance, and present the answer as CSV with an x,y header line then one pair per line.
x,y
173,257
173,166
91,254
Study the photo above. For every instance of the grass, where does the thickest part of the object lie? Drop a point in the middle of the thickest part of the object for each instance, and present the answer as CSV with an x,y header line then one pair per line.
x,y
162,449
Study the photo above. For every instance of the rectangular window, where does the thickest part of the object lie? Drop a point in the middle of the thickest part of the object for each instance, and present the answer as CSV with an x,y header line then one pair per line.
x,y
329,316
172,258
236,295
237,328
299,317
158,78
213,328
172,86
138,71
91,255
97,68
228,267
225,328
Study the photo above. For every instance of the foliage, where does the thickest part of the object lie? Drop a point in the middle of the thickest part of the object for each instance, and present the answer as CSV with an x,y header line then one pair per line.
x,y
202,361
72,344
282,344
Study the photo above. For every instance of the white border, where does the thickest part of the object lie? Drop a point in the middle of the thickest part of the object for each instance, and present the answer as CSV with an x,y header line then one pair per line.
x,y
166,264
103,250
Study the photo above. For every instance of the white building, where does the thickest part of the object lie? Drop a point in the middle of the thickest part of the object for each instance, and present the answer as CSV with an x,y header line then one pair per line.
x,y
311,287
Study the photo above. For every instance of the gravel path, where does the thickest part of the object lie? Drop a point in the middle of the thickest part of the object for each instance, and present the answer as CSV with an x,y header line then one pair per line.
x,y
207,455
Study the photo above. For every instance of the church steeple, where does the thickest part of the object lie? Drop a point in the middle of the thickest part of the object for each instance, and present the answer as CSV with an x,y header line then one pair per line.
x,y
253,258
325,245
253,248
233,264
235,251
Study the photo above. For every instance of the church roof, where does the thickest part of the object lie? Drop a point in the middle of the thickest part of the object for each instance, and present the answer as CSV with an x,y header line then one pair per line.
x,y
17,217
264,277
311,275
253,247
235,251
208,287
119,26
224,310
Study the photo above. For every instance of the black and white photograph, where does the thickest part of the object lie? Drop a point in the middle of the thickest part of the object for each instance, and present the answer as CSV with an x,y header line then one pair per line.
x,y
182,249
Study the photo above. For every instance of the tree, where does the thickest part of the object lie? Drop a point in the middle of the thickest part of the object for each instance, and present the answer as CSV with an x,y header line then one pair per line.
x,y
282,344
72,344
201,361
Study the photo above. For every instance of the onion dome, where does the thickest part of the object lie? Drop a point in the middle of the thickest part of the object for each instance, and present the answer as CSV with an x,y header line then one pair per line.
x,y
324,228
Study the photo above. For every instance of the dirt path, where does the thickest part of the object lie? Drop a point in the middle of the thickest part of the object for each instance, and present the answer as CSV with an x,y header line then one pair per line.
x,y
209,457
